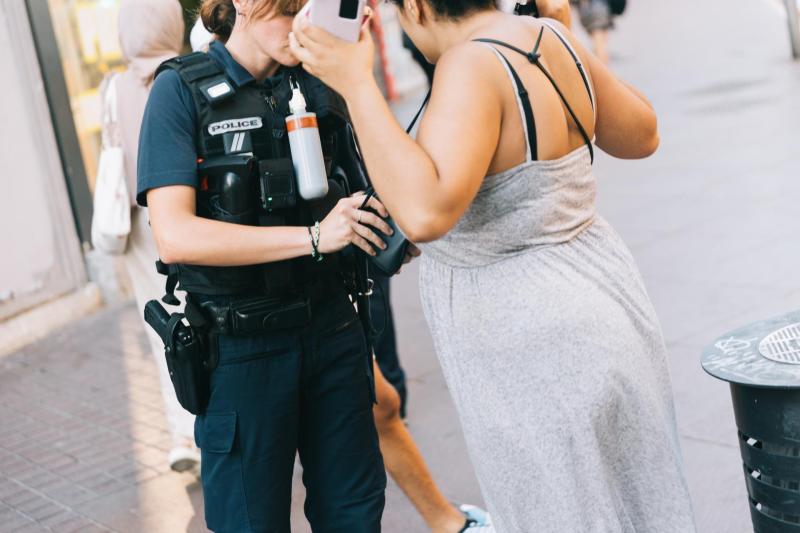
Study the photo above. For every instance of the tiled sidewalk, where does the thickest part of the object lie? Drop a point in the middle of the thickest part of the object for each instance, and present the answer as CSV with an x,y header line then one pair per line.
x,y
82,424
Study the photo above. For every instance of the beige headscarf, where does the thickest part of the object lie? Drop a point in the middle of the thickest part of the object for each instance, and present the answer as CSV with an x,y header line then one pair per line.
x,y
150,32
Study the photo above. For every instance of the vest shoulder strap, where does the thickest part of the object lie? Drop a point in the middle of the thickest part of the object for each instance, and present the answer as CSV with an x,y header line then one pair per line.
x,y
201,73
208,85
191,67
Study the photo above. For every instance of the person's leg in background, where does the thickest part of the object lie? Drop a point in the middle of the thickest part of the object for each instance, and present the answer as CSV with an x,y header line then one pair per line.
x,y
386,343
596,18
600,44
405,464
401,456
148,284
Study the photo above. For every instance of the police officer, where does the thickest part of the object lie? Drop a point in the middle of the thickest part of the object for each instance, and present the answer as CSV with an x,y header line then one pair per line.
x,y
289,359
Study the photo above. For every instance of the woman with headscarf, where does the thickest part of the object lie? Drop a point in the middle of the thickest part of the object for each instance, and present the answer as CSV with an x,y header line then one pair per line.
x,y
150,32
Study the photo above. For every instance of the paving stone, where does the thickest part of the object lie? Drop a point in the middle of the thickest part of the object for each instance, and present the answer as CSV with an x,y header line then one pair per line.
x,y
31,527
5,512
16,466
73,524
21,497
33,476
71,495
8,488
56,489
47,510
16,521
141,475
64,515
30,506
106,486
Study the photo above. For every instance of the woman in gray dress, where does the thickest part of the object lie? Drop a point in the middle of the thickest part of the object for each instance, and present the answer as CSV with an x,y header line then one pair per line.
x,y
547,338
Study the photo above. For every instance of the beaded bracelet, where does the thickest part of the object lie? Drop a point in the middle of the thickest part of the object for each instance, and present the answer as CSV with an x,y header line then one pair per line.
x,y
314,233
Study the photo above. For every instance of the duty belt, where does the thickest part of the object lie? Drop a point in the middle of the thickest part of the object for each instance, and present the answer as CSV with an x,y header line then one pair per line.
x,y
263,314
249,317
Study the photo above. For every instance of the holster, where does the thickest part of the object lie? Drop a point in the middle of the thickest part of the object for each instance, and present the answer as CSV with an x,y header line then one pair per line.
x,y
187,353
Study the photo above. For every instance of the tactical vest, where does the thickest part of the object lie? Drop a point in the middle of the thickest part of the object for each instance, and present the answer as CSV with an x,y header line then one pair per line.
x,y
247,124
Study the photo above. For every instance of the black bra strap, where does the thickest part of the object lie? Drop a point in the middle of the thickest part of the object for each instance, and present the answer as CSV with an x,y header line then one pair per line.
x,y
533,57
421,108
577,60
581,129
525,100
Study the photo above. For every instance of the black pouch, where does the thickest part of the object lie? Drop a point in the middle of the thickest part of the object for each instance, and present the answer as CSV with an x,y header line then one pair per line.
x,y
276,184
187,354
389,260
264,315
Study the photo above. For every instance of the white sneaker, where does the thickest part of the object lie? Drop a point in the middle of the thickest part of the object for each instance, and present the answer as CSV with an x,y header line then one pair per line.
x,y
184,459
478,520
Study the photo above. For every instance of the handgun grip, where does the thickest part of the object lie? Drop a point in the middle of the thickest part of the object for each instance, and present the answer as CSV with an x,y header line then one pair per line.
x,y
157,317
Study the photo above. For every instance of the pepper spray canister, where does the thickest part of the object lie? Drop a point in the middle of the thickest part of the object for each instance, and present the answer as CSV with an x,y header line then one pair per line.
x,y
304,142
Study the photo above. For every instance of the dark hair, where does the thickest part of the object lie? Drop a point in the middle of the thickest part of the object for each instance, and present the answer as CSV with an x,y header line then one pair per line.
x,y
219,15
454,9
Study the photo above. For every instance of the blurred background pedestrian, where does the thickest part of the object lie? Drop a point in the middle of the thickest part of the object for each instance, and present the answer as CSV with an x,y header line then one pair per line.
x,y
150,32
597,18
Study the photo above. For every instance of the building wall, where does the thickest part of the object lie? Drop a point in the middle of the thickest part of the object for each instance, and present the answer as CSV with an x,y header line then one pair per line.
x,y
40,250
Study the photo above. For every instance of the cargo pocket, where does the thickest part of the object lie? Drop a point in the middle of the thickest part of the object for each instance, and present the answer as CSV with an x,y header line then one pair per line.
x,y
219,432
221,473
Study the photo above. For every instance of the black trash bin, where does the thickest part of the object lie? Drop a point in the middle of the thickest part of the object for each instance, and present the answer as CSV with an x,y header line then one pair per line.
x,y
762,364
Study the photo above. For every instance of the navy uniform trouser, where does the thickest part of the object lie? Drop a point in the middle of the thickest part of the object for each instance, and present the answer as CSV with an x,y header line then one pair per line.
x,y
386,343
305,390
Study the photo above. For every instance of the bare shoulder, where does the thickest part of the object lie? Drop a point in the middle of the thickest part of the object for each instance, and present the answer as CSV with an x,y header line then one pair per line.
x,y
468,57
468,70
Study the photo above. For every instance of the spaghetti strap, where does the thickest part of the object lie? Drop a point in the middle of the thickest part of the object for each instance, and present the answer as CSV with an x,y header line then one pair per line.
x,y
534,57
578,63
524,104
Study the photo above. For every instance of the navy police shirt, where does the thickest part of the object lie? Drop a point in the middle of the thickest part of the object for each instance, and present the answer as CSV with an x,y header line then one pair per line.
x,y
167,151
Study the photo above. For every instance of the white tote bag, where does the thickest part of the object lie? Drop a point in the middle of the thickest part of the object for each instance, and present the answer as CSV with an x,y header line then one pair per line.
x,y
111,222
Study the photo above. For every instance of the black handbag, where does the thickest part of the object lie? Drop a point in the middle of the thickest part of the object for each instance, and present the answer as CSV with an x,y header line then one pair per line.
x,y
389,260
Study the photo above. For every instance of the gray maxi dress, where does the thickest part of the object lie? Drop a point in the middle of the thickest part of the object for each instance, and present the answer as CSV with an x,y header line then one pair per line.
x,y
555,359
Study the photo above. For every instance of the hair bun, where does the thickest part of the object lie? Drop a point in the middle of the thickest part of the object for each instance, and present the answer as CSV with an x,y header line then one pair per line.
x,y
218,17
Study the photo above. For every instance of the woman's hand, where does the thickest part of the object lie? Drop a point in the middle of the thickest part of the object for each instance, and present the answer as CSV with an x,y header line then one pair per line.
x,y
556,9
347,224
412,252
341,65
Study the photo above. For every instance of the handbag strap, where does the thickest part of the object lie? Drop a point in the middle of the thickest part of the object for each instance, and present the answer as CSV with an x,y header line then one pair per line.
x,y
419,113
111,136
370,191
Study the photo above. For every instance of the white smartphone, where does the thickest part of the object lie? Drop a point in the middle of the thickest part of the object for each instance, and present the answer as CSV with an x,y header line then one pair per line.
x,y
342,18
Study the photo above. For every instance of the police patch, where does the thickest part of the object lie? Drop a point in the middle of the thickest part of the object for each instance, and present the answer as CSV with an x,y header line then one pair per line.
x,y
236,124
237,142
